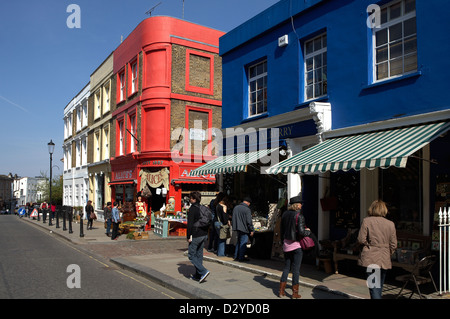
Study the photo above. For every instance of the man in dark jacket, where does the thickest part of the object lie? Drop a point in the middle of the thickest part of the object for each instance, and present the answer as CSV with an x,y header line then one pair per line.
x,y
196,237
107,214
243,224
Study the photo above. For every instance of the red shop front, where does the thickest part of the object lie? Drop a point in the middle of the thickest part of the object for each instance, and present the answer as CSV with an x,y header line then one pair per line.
x,y
124,183
165,179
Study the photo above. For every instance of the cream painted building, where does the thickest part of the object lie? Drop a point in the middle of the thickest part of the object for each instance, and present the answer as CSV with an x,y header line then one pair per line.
x,y
99,135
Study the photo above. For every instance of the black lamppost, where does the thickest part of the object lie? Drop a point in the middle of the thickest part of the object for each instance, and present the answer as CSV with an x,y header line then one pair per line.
x,y
51,149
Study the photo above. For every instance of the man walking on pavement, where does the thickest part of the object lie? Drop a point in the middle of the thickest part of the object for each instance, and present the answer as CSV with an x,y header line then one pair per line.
x,y
242,223
115,219
107,213
196,237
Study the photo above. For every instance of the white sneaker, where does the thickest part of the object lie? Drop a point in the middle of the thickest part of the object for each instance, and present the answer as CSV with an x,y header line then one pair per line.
x,y
203,277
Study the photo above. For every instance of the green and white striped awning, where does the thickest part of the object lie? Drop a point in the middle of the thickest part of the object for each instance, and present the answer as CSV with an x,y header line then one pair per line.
x,y
232,163
369,150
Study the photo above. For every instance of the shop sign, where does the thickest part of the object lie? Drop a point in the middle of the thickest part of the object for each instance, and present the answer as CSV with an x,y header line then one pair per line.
x,y
186,171
123,175
154,163
196,134
155,179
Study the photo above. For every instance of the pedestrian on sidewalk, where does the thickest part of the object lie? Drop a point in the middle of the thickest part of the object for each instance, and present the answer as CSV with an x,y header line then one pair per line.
x,y
89,214
292,230
243,225
115,217
223,210
379,239
213,240
107,213
196,237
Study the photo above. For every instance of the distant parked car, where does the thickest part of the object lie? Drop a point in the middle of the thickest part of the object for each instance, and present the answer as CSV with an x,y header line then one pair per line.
x,y
3,212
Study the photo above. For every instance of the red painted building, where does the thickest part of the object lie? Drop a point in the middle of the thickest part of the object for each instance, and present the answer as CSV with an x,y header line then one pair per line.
x,y
169,81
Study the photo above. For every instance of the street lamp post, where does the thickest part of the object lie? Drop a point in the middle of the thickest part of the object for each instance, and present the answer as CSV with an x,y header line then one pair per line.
x,y
51,149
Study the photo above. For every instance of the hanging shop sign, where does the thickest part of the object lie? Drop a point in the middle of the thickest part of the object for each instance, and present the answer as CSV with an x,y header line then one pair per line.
x,y
154,179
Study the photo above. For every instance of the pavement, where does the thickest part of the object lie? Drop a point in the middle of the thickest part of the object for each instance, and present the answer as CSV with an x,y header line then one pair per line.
x,y
164,260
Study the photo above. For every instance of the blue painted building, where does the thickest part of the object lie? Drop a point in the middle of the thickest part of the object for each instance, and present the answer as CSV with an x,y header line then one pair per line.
x,y
337,68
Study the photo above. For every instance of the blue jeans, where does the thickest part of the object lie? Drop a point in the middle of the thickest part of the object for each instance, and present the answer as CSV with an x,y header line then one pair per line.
x,y
376,286
108,225
221,242
241,245
195,254
292,260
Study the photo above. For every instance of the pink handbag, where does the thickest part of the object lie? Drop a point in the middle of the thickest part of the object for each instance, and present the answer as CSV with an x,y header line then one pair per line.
x,y
306,242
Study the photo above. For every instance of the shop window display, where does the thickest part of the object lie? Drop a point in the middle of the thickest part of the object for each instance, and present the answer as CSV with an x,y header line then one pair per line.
x,y
401,189
345,186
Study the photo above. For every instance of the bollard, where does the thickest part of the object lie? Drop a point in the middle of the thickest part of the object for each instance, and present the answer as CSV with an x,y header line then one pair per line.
x,y
64,211
57,211
70,218
39,213
50,217
81,226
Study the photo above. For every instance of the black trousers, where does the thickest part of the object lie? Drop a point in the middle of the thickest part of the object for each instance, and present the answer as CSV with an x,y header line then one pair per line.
x,y
115,230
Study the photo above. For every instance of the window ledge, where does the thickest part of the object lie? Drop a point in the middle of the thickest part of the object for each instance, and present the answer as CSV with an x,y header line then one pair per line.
x,y
254,118
393,80
318,99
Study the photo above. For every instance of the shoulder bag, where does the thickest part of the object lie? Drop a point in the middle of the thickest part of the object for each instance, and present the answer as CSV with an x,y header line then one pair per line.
x,y
225,231
306,242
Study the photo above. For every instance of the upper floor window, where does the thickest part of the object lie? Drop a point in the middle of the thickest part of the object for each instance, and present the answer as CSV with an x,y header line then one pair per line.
x,y
106,97
121,86
97,102
134,77
121,138
105,142
315,67
133,132
85,114
84,151
97,142
257,89
395,42
79,118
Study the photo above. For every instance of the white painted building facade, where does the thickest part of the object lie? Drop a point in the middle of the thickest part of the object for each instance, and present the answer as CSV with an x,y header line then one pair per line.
x,y
75,176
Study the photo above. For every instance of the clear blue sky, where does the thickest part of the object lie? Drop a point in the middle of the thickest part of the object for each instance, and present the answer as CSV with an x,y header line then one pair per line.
x,y
44,64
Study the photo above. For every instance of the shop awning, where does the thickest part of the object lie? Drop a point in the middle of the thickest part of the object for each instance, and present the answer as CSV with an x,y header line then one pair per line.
x,y
232,163
192,181
369,150
121,182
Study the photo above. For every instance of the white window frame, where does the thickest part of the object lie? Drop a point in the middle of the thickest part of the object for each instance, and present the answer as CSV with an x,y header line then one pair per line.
x,y
97,145
107,97
121,138
122,86
319,81
386,25
133,131
85,115
134,74
83,151
105,142
79,118
97,101
253,95
78,153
